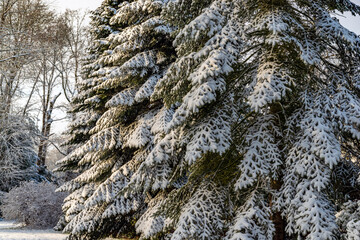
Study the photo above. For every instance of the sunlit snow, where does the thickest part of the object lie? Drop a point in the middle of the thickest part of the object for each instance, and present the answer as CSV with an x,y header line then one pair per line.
x,y
13,231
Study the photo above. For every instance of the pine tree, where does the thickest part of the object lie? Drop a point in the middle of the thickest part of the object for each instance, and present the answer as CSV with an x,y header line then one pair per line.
x,y
85,112
131,52
260,121
264,85
348,220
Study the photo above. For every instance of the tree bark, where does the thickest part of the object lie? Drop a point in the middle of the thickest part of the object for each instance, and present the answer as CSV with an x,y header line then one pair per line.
x,y
46,128
279,223
277,219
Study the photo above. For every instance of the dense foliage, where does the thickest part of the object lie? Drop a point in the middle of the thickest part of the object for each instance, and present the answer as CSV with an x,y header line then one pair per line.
x,y
218,119
116,124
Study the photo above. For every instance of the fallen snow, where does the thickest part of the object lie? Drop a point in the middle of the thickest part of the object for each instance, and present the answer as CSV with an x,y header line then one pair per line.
x,y
13,231
9,225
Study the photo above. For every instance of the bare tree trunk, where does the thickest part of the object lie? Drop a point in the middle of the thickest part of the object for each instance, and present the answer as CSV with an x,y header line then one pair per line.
x,y
7,94
31,94
45,133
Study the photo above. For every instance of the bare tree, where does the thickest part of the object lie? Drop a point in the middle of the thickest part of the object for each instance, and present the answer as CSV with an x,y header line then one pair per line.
x,y
49,78
67,64
22,22
40,58
76,43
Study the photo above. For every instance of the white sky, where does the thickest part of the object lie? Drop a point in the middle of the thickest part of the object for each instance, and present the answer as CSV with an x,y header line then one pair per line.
x,y
75,4
351,22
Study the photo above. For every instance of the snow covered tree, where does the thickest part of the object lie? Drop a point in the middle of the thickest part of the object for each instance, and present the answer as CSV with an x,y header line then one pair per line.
x,y
348,220
271,86
261,117
85,114
23,25
116,125
17,152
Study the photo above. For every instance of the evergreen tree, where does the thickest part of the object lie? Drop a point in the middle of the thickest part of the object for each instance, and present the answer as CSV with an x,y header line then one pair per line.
x,y
132,50
260,123
270,86
85,113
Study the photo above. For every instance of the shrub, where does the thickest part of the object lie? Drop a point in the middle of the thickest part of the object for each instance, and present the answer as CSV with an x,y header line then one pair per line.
x,y
35,204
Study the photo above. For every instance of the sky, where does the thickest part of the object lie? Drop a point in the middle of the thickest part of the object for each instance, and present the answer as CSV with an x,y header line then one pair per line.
x,y
349,21
75,4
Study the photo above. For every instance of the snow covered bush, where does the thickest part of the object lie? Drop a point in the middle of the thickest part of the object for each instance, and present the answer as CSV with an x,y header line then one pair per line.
x,y
35,204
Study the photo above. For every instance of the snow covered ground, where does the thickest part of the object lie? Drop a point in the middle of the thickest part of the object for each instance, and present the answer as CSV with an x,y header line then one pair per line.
x,y
13,231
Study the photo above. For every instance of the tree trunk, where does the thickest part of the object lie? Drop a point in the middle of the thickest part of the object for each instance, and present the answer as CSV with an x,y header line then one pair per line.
x,y
45,132
7,95
279,223
277,219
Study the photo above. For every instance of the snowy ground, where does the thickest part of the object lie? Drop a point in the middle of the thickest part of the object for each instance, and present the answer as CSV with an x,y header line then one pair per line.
x,y
13,231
